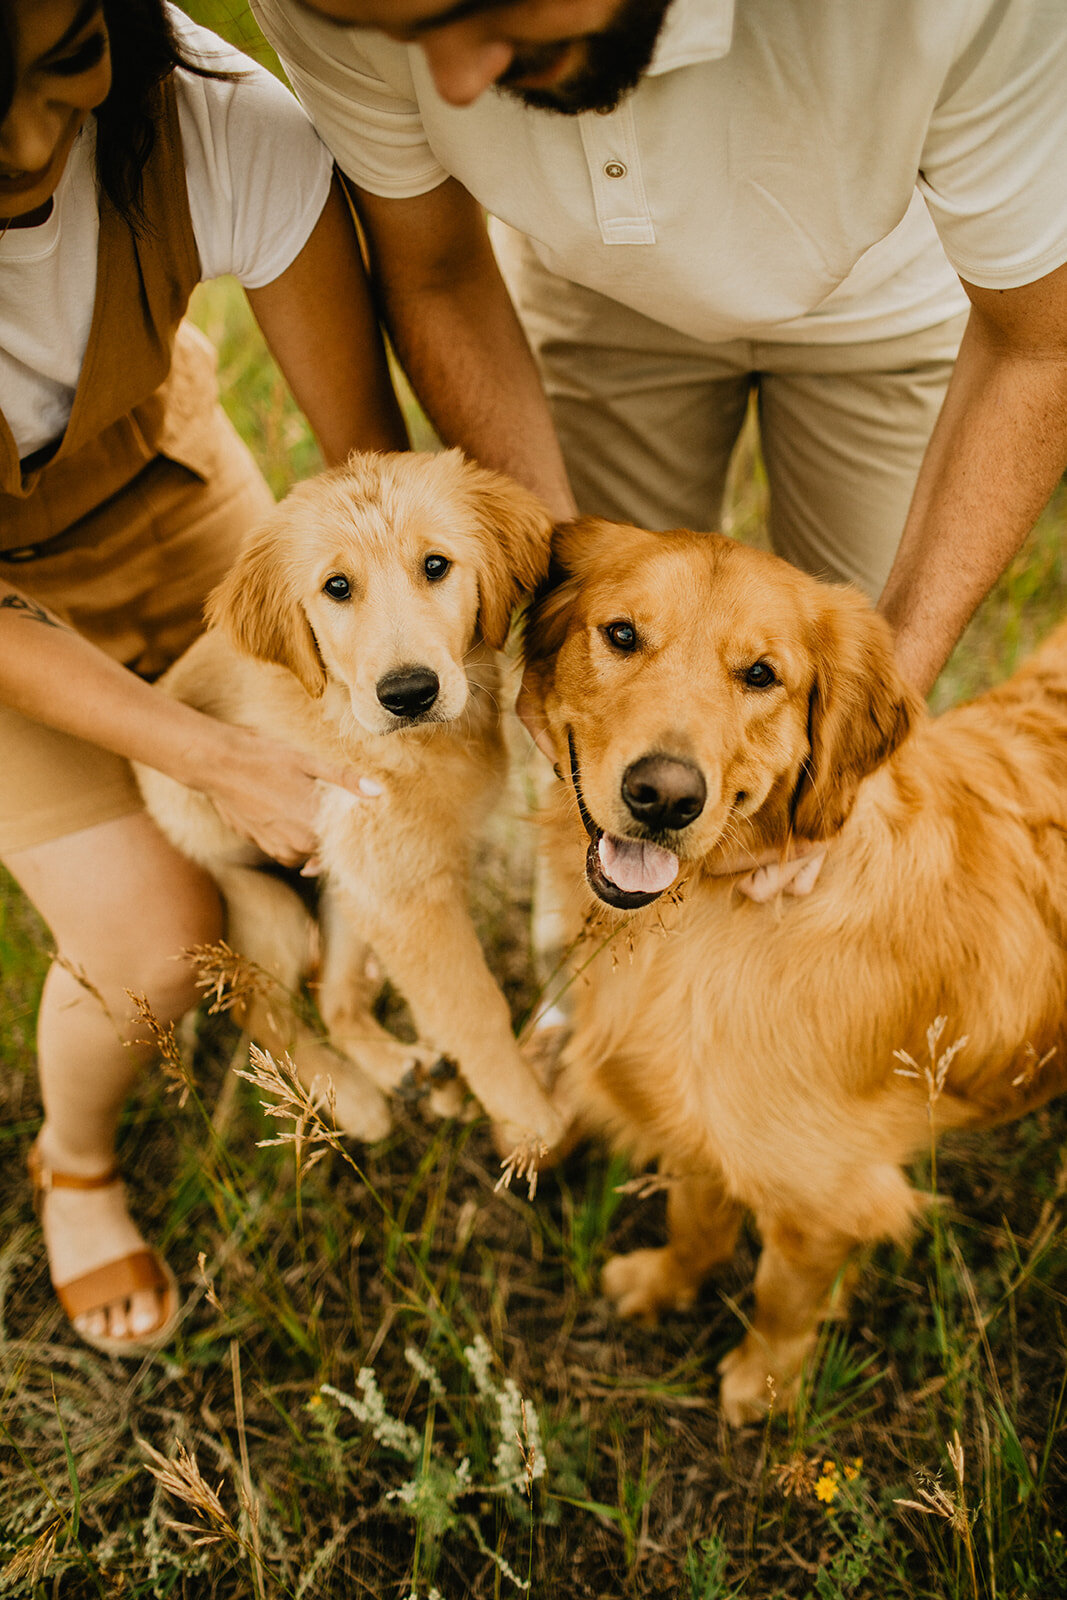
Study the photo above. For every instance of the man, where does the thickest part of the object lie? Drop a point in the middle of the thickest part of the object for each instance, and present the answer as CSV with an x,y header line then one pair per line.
x,y
706,197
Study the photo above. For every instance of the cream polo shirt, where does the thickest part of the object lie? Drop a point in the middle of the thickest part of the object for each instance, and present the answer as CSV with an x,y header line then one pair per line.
x,y
783,170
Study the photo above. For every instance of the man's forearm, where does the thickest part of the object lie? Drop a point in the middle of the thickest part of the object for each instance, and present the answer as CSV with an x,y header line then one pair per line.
x,y
459,339
996,454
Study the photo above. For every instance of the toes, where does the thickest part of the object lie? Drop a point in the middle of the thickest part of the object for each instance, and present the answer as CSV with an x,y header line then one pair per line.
x,y
134,1318
144,1313
93,1324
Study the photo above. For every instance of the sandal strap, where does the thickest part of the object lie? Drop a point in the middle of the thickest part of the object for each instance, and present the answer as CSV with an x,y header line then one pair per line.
x,y
45,1178
115,1281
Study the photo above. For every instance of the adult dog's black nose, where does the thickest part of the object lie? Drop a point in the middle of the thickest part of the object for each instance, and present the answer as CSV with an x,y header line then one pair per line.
x,y
664,793
408,692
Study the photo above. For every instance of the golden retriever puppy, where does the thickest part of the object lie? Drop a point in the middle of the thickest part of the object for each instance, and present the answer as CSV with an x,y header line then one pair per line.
x,y
360,623
708,702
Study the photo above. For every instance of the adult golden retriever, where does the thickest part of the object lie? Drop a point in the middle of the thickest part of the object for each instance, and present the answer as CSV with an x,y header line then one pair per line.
x,y
708,702
360,623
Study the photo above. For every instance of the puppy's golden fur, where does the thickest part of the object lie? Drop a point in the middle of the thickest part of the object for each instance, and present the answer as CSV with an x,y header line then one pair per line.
x,y
750,1049
434,553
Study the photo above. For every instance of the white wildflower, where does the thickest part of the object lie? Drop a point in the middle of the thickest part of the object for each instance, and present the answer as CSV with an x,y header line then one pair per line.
x,y
479,1359
373,1413
422,1369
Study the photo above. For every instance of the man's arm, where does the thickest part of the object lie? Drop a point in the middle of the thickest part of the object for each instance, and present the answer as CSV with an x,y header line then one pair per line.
x,y
458,337
319,320
995,456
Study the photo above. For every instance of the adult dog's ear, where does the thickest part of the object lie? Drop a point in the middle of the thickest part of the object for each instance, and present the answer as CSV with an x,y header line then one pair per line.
x,y
545,624
515,528
859,710
547,618
257,606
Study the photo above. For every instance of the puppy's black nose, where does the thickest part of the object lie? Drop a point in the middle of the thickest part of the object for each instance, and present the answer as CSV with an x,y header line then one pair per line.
x,y
408,692
664,793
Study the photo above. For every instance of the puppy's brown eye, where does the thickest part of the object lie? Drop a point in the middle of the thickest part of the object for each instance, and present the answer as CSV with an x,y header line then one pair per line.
x,y
760,675
337,587
435,567
623,635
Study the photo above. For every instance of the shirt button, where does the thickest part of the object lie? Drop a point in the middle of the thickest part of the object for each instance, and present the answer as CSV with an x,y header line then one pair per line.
x,y
615,169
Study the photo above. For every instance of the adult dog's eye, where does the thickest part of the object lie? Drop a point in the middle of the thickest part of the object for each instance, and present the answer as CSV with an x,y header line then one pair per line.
x,y
760,675
337,587
435,567
623,635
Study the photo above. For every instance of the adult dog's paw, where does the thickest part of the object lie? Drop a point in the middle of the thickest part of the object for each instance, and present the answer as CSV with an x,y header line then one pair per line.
x,y
646,1282
757,1379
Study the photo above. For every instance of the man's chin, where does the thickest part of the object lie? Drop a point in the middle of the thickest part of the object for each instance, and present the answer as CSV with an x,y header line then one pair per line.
x,y
566,100
615,61
573,97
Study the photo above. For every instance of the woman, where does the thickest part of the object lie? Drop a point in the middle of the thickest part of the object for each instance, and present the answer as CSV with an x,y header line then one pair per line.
x,y
137,156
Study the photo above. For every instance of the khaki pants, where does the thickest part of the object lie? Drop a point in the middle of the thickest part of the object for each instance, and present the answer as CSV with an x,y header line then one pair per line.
x,y
648,419
132,577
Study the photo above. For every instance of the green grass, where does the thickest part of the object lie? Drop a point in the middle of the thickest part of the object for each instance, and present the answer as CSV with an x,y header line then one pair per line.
x,y
314,1273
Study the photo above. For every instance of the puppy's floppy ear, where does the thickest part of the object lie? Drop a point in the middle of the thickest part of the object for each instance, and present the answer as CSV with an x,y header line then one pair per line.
x,y
257,606
859,710
515,528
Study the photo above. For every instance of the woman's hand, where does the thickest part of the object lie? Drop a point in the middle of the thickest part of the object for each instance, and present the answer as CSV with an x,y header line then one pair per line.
x,y
269,793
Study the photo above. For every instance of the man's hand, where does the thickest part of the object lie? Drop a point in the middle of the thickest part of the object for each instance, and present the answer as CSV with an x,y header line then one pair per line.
x,y
795,873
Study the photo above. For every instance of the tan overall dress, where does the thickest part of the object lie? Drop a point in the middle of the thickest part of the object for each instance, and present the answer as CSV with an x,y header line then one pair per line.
x,y
135,516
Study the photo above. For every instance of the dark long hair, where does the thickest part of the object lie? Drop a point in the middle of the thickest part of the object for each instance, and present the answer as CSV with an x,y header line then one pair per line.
x,y
144,52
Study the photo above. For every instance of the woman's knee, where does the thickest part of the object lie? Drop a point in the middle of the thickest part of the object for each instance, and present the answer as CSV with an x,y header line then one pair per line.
x,y
123,906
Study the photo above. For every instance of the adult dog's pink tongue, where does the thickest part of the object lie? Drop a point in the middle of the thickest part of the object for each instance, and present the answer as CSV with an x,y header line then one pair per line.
x,y
637,866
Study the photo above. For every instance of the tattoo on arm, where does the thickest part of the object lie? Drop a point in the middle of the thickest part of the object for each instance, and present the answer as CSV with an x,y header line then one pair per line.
x,y
30,608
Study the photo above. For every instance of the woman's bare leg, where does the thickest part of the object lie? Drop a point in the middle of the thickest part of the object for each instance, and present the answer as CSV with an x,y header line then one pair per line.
x,y
121,905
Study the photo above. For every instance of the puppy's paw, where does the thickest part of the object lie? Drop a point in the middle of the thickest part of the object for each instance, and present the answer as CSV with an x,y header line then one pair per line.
x,y
646,1282
360,1109
346,1098
757,1379
545,1132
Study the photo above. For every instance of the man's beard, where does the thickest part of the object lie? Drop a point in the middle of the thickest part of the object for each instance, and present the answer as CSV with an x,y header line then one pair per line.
x,y
615,61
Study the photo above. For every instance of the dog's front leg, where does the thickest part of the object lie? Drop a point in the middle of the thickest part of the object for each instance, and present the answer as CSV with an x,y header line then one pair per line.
x,y
702,1225
266,922
348,986
430,950
802,1275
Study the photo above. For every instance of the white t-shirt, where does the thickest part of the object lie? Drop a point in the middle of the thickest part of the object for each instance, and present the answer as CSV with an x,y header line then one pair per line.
x,y
786,169
257,178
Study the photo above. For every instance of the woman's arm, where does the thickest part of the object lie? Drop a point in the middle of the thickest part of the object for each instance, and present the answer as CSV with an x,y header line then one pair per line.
x,y
262,788
319,320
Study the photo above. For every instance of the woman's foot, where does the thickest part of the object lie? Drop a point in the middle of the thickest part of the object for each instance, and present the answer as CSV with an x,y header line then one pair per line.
x,y
120,1296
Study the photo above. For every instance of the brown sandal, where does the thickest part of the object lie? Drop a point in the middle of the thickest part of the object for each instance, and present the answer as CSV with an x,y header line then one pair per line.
x,y
140,1270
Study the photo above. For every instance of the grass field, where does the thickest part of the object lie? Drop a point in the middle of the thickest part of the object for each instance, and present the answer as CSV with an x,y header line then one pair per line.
x,y
394,1380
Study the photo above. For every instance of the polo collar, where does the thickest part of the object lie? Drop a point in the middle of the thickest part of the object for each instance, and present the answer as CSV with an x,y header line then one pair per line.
x,y
693,30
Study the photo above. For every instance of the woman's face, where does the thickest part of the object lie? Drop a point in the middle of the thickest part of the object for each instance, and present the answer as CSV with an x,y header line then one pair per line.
x,y
62,71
